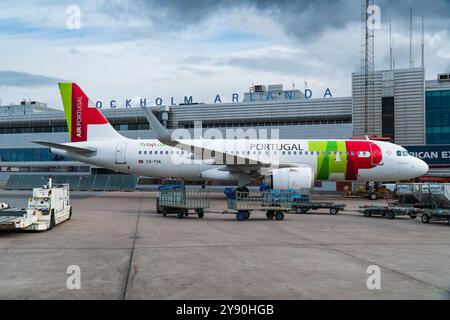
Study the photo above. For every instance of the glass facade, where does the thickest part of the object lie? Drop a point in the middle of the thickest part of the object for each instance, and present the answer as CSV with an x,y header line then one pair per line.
x,y
438,117
30,154
119,127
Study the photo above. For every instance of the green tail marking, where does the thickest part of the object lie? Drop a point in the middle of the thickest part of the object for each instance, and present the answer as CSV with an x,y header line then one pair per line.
x,y
66,95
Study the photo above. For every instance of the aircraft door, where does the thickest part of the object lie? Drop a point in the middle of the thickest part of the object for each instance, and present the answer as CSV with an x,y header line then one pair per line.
x,y
375,155
120,153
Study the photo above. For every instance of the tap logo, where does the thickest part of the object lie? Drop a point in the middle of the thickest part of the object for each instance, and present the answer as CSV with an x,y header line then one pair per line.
x,y
79,114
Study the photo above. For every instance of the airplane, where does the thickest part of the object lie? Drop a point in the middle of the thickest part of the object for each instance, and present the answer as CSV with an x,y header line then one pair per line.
x,y
282,164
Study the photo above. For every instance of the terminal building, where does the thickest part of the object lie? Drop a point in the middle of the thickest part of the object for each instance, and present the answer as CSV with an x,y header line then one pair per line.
x,y
403,106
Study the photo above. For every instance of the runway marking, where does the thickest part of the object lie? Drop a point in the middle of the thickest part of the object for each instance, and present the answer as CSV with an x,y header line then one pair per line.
x,y
124,294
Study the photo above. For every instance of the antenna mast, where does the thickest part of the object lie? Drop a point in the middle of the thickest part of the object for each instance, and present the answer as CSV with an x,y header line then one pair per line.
x,y
411,39
423,43
391,51
367,64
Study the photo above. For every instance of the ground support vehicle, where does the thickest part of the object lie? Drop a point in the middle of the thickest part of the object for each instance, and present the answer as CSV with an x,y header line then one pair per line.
x,y
48,206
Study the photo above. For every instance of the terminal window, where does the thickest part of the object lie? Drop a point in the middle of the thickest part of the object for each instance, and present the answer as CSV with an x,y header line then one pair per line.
x,y
438,117
387,118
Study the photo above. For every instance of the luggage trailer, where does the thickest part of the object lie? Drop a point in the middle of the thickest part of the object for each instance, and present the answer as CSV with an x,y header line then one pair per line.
x,y
180,201
389,211
274,204
427,215
304,207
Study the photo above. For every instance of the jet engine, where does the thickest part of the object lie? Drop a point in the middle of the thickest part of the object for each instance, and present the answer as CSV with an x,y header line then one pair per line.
x,y
291,178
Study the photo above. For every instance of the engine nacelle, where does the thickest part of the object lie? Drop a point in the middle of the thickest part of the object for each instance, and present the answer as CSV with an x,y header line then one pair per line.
x,y
291,178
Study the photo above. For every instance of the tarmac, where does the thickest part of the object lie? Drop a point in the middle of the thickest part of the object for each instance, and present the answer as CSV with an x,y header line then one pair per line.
x,y
124,250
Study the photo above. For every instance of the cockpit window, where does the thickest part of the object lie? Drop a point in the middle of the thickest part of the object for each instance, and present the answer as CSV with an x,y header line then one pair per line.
x,y
405,153
399,153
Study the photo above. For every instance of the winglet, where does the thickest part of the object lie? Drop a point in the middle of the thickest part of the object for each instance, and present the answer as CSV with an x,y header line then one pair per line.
x,y
162,134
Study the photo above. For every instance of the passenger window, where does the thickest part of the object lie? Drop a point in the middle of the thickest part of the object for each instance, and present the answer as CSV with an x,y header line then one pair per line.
x,y
145,152
150,152
306,153
140,152
405,153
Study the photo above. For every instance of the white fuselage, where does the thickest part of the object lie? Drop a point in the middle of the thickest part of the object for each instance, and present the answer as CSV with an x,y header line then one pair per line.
x,y
153,159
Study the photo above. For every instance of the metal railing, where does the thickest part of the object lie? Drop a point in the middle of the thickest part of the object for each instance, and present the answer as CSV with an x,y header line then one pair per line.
x,y
182,198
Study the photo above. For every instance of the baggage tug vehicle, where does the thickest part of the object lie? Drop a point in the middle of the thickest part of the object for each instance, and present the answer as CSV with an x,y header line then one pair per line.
x,y
48,206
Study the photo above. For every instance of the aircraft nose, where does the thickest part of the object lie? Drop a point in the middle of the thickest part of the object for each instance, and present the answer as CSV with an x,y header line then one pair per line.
x,y
421,167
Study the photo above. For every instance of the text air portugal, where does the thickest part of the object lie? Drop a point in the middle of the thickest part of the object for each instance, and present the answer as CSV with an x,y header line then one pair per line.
x,y
80,109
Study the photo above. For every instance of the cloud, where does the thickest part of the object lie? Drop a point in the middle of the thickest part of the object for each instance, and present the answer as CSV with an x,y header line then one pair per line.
x,y
303,19
21,79
173,48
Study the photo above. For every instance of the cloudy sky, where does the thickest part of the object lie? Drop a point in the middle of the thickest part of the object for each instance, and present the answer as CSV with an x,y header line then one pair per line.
x,y
163,48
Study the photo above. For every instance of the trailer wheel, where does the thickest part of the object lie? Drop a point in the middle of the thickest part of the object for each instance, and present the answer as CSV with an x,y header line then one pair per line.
x,y
240,216
448,221
373,196
270,214
186,213
158,208
200,213
300,210
334,211
367,213
390,215
279,215
180,214
52,220
425,218
247,215
70,213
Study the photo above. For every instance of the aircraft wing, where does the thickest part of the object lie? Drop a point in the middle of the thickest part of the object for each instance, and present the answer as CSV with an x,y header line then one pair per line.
x,y
194,146
243,164
66,147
